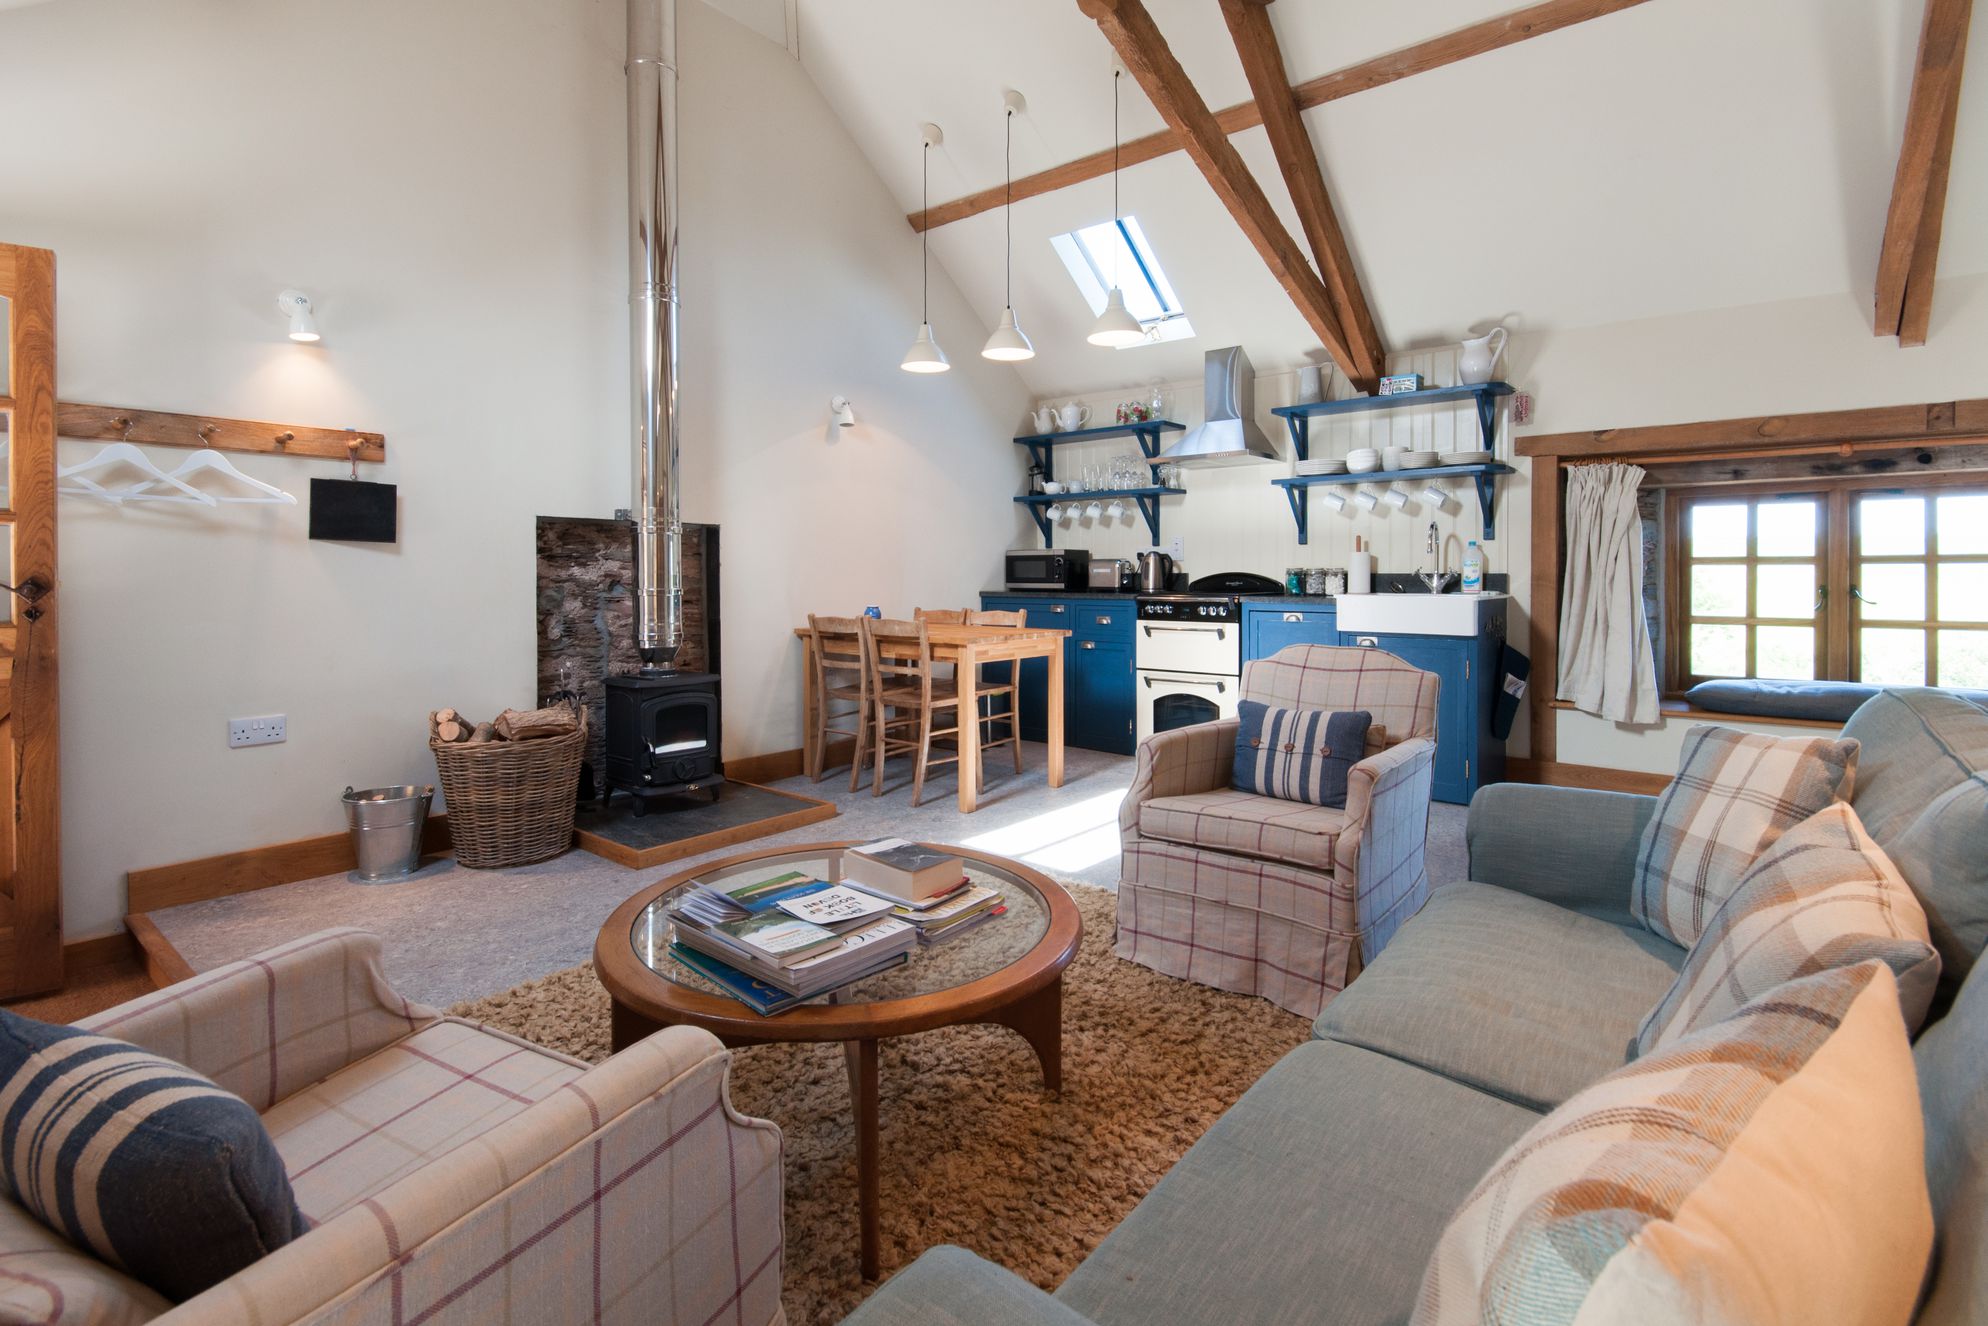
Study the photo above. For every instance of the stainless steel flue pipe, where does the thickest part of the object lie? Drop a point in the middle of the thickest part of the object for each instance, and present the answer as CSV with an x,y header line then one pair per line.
x,y
652,251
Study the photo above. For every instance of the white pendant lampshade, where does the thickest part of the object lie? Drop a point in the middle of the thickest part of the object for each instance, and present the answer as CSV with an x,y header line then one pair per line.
x,y
1116,328
924,356
1007,343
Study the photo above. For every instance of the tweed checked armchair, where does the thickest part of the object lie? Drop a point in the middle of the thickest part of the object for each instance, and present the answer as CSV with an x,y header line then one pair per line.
x,y
451,1173
1280,898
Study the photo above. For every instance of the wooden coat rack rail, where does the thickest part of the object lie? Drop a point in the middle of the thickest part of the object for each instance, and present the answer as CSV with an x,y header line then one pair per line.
x,y
160,428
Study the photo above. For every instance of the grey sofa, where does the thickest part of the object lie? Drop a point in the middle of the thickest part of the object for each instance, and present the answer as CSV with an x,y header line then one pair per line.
x,y
1320,1195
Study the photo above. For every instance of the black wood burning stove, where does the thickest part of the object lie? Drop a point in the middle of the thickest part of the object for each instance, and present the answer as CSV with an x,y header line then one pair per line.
x,y
663,734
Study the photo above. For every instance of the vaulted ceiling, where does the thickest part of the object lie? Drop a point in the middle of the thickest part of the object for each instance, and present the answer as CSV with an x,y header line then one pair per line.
x,y
1679,155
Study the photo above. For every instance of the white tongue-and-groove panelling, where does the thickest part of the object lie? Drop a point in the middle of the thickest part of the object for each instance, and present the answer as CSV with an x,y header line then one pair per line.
x,y
1234,519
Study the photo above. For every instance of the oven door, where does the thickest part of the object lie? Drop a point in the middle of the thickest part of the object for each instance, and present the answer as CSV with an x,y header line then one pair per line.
x,y
1178,647
1168,700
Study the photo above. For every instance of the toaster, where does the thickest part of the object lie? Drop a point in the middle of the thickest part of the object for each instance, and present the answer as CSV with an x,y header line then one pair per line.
x,y
1112,573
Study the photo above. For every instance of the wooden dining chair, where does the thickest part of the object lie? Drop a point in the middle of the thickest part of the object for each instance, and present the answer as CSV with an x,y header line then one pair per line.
x,y
996,680
942,616
909,686
836,655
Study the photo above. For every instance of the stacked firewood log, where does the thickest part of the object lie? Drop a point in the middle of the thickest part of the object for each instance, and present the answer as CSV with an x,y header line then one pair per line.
x,y
449,727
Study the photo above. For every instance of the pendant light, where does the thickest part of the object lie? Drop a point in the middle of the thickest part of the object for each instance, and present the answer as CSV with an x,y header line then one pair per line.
x,y
925,356
1008,344
1115,328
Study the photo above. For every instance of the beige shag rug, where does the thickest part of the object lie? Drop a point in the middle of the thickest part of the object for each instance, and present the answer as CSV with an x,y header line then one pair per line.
x,y
975,1152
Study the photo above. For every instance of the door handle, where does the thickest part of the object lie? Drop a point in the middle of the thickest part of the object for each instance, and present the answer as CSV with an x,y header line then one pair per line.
x,y
1294,616
1087,644
1219,631
1368,640
1058,607
1104,621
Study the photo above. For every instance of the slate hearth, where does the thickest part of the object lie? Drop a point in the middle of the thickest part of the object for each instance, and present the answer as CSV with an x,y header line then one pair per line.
x,y
675,827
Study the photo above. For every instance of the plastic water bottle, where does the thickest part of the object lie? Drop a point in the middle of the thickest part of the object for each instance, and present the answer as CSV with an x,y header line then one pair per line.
x,y
1473,569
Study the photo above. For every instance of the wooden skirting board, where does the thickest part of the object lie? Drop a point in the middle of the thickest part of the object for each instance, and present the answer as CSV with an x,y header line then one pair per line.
x,y
257,868
1552,773
163,964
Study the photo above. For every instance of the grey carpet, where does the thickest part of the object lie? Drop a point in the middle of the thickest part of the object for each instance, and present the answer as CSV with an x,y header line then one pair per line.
x,y
452,934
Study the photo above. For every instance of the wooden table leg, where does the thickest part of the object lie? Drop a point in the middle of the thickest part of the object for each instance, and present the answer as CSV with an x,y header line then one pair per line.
x,y
965,671
1056,713
862,1060
812,755
1039,1020
626,1026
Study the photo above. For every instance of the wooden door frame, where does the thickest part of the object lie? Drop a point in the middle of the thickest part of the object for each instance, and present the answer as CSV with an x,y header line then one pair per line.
x,y
31,956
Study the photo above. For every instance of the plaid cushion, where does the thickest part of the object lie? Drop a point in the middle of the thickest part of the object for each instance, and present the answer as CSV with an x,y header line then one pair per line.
x,y
1734,794
44,1278
1297,754
1232,821
389,1115
1767,1168
140,1160
1823,896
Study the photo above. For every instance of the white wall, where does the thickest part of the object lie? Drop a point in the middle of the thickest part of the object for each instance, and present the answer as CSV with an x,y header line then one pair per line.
x,y
1795,356
446,179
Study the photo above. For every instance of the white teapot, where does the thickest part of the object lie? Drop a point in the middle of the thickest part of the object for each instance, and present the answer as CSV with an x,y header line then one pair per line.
x,y
1045,419
1480,357
1074,416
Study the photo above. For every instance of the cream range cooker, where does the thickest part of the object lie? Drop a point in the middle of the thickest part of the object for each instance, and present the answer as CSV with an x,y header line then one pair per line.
x,y
1187,655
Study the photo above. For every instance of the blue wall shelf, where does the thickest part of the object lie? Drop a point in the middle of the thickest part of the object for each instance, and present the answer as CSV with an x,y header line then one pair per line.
x,y
1042,451
1298,489
1485,394
1038,505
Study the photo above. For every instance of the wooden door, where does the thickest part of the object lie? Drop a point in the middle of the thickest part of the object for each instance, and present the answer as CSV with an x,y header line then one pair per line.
x,y
30,822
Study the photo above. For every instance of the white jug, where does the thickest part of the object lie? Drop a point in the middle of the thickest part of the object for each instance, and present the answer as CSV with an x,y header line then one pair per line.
x,y
1045,419
1074,416
1480,358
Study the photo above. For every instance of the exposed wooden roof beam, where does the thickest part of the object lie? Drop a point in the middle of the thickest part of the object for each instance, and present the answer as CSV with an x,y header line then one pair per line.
x,y
1297,158
1137,39
1491,35
1911,249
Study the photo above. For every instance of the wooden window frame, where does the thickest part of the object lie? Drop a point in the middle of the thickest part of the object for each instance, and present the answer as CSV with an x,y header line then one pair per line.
x,y
1839,618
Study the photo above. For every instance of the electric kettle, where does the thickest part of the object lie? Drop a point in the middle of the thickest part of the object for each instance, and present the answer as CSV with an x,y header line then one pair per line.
x,y
1155,573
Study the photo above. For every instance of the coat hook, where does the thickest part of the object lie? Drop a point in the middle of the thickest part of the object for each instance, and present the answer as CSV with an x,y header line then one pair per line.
x,y
284,439
352,445
125,424
206,434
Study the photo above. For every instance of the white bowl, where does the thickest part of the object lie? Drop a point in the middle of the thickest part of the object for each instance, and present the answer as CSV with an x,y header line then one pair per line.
x,y
1358,464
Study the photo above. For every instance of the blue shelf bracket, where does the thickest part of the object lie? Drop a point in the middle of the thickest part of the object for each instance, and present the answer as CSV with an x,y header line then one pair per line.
x,y
1043,523
1486,490
1149,438
1300,499
1042,457
1149,507
1487,428
1301,442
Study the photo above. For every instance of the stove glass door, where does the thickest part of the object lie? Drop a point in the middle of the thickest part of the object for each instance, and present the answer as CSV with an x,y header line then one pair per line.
x,y
1171,700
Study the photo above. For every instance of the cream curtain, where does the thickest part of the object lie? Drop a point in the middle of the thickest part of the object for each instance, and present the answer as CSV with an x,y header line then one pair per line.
x,y
1606,664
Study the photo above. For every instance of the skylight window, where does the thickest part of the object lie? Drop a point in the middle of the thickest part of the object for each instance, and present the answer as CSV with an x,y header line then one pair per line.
x,y
1117,252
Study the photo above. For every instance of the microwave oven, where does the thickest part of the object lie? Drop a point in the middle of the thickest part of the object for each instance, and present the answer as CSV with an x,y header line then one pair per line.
x,y
1049,568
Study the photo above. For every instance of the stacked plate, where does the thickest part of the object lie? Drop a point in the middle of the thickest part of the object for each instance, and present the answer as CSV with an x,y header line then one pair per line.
x,y
1418,460
1330,466
1362,460
1466,458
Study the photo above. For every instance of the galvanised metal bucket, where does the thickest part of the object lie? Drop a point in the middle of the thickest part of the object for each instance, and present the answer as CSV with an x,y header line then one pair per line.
x,y
386,824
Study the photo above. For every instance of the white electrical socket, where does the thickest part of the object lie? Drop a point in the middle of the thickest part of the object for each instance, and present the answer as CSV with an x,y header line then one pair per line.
x,y
264,731
1175,548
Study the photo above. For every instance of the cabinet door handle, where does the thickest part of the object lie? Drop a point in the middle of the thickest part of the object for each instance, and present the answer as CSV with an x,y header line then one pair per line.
x,y
1294,616
1057,607
1365,640
1104,621
1087,644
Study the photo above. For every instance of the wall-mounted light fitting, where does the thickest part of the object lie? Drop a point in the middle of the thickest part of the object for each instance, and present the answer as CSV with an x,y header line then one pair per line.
x,y
840,411
296,306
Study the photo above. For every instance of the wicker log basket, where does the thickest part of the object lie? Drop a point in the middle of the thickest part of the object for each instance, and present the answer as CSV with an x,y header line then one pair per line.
x,y
511,803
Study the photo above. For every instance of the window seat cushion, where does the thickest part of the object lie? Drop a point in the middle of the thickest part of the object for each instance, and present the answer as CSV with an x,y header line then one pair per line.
x,y
1823,701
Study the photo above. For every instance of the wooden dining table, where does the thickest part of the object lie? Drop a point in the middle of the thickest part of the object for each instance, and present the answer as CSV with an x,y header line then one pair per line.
x,y
967,647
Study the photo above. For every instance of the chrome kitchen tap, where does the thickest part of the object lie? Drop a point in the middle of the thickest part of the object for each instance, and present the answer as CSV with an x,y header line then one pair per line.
x,y
1436,578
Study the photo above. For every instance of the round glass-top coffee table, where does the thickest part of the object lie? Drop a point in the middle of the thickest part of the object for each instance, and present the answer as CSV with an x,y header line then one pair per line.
x,y
1007,971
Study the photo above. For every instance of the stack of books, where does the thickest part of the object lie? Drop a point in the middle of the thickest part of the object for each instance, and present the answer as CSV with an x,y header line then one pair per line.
x,y
930,889
772,943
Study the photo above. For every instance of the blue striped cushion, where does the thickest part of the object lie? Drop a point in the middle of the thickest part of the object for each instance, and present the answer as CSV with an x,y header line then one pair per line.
x,y
141,1161
1297,754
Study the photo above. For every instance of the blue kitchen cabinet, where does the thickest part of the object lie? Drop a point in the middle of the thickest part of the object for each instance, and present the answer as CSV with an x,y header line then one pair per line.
x,y
1098,702
1269,627
1467,755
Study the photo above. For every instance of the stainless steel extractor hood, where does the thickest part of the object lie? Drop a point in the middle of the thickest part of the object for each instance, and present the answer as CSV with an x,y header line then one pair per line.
x,y
1230,435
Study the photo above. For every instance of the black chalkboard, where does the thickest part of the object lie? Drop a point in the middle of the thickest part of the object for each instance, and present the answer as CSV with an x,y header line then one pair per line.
x,y
354,512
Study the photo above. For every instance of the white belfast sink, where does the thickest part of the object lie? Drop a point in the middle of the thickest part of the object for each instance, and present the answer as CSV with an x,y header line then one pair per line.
x,y
1414,614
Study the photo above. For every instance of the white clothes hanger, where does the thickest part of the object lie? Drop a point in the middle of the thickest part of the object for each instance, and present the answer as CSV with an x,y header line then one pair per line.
x,y
200,462
124,453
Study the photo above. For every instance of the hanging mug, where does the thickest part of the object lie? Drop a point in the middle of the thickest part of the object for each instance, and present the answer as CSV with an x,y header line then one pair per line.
x,y
1073,416
1480,357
